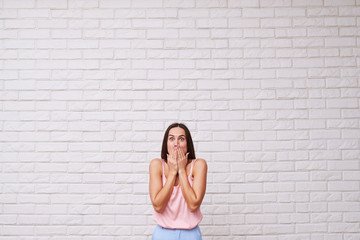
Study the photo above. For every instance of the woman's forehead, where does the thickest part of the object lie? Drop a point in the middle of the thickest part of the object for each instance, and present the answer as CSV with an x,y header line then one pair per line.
x,y
177,131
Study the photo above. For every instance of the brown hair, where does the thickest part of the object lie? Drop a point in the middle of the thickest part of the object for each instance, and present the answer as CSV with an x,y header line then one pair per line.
x,y
189,142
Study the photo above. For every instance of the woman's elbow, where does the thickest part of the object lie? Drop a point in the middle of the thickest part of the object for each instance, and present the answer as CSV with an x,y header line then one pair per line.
x,y
158,209
193,207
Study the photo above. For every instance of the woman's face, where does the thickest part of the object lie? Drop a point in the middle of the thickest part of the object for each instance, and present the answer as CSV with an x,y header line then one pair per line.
x,y
176,140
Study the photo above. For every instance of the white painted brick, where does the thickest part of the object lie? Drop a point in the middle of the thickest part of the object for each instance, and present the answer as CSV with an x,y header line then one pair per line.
x,y
190,33
225,12
349,11
52,4
98,13
83,44
289,12
335,3
321,11
256,53
18,230
345,227
179,64
280,167
51,44
259,33
18,4
275,208
258,12
213,146
182,3
113,4
186,13
243,3
310,62
290,32
211,23
277,22
340,41
307,3
278,229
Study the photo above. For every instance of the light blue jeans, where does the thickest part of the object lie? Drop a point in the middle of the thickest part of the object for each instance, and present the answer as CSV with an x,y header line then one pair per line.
x,y
161,233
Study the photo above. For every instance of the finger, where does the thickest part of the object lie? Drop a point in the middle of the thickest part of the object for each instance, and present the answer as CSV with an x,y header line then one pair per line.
x,y
177,154
173,154
187,155
180,154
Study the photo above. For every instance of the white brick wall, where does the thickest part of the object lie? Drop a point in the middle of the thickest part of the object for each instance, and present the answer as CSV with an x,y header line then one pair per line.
x,y
270,90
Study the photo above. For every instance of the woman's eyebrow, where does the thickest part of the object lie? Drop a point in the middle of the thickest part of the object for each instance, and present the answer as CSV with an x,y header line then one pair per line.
x,y
170,135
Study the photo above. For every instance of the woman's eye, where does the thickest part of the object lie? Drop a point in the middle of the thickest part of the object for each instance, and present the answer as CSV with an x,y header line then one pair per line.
x,y
182,139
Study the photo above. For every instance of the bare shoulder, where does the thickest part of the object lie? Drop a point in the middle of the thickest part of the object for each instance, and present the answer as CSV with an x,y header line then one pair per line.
x,y
200,165
155,164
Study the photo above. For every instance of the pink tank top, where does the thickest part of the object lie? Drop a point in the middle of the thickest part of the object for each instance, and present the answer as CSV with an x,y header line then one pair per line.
x,y
177,214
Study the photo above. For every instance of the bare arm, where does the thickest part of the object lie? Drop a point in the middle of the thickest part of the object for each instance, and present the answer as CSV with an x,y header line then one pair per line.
x,y
160,194
194,195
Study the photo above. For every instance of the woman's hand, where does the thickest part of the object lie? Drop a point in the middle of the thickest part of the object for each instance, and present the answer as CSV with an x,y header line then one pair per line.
x,y
182,159
172,161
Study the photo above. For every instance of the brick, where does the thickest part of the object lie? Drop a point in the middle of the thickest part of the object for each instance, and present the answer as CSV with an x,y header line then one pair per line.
x,y
289,12
213,146
83,44
276,22
343,186
182,3
225,12
349,11
321,11
184,13
211,23
52,24
259,73
278,229
313,228
335,3
343,227
341,21
32,13
83,23
98,14
275,208
8,13
288,32
259,33
52,4
307,3
231,33
19,4
340,41
258,12
114,4
69,33
190,33
51,44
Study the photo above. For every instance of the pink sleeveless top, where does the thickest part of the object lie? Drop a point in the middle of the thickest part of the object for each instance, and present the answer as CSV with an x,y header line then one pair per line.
x,y
177,214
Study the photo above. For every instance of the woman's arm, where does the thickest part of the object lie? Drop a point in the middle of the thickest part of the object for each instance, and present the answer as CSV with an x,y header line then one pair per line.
x,y
160,194
195,194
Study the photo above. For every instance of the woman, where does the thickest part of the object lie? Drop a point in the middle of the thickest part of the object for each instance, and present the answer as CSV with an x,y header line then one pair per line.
x,y
177,187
